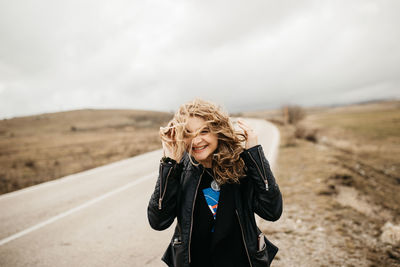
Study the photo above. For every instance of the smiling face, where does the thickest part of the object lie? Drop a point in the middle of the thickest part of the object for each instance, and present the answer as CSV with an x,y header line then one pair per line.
x,y
204,143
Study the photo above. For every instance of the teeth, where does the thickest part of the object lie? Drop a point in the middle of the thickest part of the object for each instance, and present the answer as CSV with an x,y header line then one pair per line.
x,y
199,148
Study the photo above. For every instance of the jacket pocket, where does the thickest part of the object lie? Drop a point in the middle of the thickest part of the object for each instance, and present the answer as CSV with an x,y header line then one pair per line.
x,y
173,256
177,252
261,257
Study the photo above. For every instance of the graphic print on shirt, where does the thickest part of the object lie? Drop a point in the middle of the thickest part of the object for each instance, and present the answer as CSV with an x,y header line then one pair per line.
x,y
212,198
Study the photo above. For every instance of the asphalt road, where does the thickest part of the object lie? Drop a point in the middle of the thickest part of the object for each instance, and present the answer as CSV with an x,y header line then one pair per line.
x,y
93,218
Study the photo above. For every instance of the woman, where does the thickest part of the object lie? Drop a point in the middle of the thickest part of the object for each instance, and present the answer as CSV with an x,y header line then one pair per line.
x,y
213,186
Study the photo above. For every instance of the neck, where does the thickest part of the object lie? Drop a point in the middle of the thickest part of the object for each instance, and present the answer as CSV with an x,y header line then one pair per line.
x,y
206,163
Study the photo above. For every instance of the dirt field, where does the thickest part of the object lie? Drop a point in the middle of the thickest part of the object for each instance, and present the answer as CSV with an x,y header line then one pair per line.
x,y
338,169
341,188
41,148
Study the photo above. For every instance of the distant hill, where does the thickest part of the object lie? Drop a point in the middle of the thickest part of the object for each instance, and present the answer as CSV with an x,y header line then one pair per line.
x,y
39,148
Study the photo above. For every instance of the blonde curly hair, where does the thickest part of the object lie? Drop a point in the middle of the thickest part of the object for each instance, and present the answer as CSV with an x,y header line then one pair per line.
x,y
226,163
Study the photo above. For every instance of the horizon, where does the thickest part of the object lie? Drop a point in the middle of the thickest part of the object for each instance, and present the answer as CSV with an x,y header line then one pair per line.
x,y
231,113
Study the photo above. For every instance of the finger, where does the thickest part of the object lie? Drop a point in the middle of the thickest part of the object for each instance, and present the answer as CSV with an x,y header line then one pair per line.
x,y
244,123
245,127
244,130
169,141
248,128
170,124
245,133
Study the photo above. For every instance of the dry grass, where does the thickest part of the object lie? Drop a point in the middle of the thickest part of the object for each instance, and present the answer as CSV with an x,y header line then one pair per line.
x,y
367,140
40,148
340,190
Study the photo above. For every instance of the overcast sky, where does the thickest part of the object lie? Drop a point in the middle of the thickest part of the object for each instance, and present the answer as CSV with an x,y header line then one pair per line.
x,y
60,55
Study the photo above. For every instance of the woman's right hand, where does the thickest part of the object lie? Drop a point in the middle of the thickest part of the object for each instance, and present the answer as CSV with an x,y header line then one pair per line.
x,y
169,144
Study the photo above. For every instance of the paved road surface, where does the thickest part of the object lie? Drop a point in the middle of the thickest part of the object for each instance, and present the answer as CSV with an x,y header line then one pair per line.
x,y
94,218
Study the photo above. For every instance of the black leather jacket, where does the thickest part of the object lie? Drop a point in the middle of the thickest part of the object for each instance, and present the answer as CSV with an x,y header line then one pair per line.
x,y
174,197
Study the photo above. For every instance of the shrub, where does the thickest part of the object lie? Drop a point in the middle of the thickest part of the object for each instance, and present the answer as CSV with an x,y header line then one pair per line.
x,y
30,163
309,134
293,114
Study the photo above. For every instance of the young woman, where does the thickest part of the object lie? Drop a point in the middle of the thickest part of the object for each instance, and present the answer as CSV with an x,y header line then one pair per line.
x,y
213,186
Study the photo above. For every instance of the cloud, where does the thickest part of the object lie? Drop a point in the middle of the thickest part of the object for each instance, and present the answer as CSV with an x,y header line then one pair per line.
x,y
57,55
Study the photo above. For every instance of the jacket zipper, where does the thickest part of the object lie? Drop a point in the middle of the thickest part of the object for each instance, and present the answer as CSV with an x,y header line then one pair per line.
x,y
259,172
191,218
244,241
165,188
259,154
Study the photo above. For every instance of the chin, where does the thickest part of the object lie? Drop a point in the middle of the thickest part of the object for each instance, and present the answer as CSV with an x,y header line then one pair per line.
x,y
201,158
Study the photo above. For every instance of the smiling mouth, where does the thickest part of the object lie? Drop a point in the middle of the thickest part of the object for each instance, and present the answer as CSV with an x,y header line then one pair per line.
x,y
199,149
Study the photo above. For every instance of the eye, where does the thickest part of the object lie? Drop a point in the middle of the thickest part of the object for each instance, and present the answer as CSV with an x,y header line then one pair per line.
x,y
205,131
186,133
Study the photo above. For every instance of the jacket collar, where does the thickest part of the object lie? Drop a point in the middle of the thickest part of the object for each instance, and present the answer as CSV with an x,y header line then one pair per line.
x,y
189,166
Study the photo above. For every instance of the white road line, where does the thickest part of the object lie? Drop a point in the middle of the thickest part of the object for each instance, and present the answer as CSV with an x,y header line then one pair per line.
x,y
79,175
80,207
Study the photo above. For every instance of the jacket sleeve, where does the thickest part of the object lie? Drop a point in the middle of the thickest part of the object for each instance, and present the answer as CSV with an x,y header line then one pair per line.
x,y
161,210
267,198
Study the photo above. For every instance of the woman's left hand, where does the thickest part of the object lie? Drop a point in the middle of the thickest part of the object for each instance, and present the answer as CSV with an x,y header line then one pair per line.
x,y
251,136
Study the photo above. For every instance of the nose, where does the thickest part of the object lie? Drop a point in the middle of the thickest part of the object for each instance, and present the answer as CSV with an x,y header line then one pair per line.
x,y
196,140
